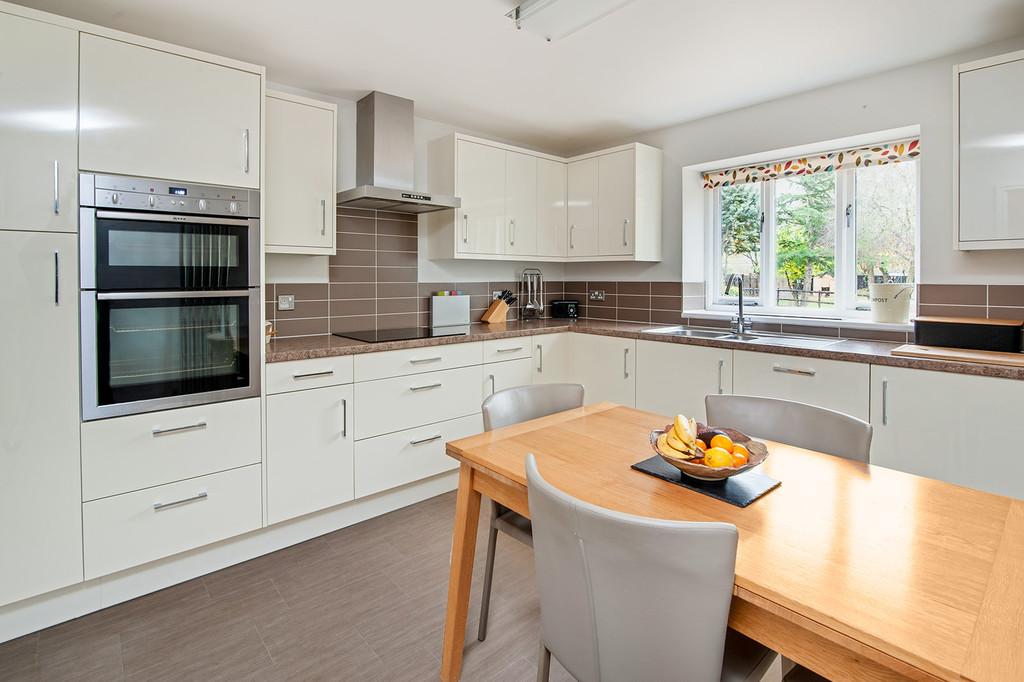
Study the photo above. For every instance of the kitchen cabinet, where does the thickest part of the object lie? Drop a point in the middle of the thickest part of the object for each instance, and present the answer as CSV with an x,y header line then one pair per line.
x,y
616,207
501,375
520,204
990,169
399,403
310,440
38,126
832,384
552,236
551,359
151,113
606,366
481,186
581,189
674,379
301,171
929,423
40,474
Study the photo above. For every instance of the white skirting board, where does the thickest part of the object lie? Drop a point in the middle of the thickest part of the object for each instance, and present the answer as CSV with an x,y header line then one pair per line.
x,y
40,612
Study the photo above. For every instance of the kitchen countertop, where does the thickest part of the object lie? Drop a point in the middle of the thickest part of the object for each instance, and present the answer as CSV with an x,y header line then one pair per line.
x,y
850,350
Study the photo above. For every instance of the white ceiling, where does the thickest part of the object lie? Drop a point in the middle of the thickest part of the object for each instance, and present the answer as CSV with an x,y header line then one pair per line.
x,y
650,64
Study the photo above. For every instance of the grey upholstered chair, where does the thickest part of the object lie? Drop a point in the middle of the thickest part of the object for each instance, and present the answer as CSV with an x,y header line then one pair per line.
x,y
799,424
505,408
631,598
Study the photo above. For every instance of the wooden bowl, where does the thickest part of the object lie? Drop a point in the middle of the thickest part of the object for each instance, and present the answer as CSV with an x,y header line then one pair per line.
x,y
697,469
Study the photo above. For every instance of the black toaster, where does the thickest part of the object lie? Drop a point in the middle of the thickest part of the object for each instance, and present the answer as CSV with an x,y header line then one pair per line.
x,y
565,309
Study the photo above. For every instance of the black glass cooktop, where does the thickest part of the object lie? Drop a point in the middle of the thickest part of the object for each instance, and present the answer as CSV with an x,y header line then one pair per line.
x,y
383,335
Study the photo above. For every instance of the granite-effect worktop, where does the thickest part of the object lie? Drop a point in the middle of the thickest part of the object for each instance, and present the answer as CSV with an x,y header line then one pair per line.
x,y
850,350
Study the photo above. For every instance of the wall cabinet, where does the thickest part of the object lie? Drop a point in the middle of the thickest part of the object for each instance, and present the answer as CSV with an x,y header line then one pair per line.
x,y
582,215
480,176
991,170
40,479
38,126
606,366
520,204
616,203
674,379
151,113
551,359
552,237
301,171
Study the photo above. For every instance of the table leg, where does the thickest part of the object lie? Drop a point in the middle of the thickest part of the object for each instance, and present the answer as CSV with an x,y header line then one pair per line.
x,y
467,517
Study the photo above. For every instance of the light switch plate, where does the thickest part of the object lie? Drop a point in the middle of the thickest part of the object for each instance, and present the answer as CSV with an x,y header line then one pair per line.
x,y
286,302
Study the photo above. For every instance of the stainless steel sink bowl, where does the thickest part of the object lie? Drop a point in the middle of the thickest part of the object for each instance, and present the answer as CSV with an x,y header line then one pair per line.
x,y
772,340
684,331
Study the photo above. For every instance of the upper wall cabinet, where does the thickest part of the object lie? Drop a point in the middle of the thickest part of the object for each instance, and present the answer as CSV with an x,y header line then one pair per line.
x,y
38,122
524,205
151,113
301,171
991,158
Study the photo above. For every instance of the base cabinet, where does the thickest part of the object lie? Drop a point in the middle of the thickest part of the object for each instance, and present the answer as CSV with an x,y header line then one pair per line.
x,y
606,366
501,375
551,359
674,379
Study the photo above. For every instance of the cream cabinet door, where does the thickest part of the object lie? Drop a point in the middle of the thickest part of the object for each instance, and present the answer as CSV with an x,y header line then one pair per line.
x,y
616,208
301,144
552,230
501,375
606,366
309,451
832,384
551,359
930,423
581,191
38,126
154,114
40,479
480,183
520,204
673,378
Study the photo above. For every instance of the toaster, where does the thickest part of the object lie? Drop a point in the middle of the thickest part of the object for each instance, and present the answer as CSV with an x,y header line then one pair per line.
x,y
565,309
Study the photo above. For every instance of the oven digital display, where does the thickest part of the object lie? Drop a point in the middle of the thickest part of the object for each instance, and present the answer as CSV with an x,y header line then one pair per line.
x,y
178,191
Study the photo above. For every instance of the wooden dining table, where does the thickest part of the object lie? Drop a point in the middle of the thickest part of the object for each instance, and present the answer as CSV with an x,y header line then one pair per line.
x,y
852,570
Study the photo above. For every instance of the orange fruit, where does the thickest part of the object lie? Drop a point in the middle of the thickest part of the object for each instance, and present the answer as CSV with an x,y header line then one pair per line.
x,y
717,457
701,446
722,441
740,449
739,458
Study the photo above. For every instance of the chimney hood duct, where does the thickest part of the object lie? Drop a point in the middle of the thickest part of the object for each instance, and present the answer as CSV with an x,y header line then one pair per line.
x,y
385,160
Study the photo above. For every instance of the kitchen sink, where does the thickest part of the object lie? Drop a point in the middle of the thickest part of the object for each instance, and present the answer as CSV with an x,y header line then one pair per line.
x,y
772,340
683,331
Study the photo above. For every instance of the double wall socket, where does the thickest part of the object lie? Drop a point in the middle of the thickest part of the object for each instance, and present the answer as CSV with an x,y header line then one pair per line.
x,y
286,302
597,295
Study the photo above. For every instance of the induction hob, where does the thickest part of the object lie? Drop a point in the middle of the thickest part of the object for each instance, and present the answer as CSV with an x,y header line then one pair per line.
x,y
385,335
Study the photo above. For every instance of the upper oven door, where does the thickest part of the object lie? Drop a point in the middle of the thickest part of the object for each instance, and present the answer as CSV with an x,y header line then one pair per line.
x,y
128,251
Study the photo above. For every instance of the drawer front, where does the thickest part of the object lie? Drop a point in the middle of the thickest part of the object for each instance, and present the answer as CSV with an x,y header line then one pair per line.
x,y
396,363
499,350
390,405
832,384
129,530
298,375
389,461
141,451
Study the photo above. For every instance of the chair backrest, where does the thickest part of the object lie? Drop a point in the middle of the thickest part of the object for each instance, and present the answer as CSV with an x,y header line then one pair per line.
x,y
523,403
626,597
799,424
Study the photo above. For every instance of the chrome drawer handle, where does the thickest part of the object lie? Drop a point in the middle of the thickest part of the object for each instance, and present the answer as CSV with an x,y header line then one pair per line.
x,y
421,441
157,506
201,424
424,388
310,375
510,350
420,361
790,370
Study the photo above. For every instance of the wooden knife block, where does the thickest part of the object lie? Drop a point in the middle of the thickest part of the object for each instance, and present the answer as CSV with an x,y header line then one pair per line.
x,y
496,313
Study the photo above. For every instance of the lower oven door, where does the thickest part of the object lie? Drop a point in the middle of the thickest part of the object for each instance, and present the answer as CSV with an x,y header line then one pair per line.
x,y
145,351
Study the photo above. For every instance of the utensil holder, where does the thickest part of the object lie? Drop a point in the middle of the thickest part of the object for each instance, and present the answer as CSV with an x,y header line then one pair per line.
x,y
496,313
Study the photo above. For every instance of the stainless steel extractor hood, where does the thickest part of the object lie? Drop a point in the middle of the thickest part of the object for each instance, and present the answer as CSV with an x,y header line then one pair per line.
x,y
385,160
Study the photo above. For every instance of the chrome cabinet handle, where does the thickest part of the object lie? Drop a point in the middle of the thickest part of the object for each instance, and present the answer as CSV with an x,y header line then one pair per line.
x,y
465,228
424,388
885,402
420,361
201,424
625,223
512,232
323,216
721,364
56,277
540,358
310,375
625,363
245,151
344,417
202,495
509,350
56,187
572,234
790,370
493,387
421,441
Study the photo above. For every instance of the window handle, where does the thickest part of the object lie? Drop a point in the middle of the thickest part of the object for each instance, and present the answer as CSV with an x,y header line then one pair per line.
x,y
849,215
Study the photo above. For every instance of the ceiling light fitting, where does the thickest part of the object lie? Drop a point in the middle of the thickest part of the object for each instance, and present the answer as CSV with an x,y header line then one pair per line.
x,y
554,19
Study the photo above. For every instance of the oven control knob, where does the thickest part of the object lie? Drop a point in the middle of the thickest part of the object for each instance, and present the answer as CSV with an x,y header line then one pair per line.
x,y
113,198
202,204
233,207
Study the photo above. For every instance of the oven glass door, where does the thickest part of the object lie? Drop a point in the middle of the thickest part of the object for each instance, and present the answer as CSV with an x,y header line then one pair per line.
x,y
136,251
172,349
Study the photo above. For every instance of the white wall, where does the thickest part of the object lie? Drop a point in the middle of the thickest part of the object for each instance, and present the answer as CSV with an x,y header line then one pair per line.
x,y
922,94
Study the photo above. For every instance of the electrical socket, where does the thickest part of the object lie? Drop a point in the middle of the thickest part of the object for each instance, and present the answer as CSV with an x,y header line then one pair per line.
x,y
597,295
286,302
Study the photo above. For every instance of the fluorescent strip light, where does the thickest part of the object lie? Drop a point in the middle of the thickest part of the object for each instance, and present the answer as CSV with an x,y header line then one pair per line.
x,y
555,19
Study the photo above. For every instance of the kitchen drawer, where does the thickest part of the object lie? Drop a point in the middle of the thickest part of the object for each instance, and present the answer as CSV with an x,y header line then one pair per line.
x,y
396,363
140,451
298,375
832,384
128,530
499,350
390,405
389,461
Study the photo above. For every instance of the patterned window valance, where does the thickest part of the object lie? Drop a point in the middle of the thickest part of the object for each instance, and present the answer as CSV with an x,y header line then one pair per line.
x,y
892,152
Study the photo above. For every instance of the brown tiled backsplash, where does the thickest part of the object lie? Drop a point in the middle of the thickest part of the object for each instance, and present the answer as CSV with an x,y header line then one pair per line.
x,y
996,301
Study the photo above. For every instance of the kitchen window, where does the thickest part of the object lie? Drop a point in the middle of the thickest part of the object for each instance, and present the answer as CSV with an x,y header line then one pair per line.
x,y
807,236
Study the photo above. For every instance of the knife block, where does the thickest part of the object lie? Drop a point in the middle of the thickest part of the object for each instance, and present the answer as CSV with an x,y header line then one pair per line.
x,y
496,313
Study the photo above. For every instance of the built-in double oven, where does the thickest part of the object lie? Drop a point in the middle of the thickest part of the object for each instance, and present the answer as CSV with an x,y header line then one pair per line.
x,y
170,304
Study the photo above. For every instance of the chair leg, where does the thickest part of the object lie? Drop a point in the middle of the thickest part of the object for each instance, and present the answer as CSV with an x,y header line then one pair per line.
x,y
485,601
544,664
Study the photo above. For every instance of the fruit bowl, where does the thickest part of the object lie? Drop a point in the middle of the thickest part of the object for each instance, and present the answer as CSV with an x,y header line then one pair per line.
x,y
697,469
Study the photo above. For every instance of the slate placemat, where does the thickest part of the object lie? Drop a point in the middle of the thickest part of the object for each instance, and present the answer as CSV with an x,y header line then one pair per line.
x,y
739,490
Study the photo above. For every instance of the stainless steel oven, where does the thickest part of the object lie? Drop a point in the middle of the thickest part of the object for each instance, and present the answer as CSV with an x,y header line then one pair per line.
x,y
170,298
